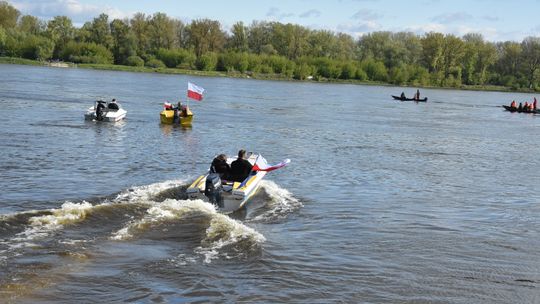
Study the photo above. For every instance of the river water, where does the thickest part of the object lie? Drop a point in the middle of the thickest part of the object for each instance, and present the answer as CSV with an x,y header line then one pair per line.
x,y
383,202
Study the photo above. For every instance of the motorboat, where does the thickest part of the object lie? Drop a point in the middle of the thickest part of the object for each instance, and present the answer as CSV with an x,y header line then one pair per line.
x,y
181,115
230,196
105,111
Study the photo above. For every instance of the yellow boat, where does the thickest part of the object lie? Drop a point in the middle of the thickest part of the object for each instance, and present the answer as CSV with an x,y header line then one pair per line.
x,y
167,117
170,116
186,118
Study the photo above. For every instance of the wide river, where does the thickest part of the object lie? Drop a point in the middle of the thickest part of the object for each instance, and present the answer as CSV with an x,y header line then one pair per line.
x,y
383,201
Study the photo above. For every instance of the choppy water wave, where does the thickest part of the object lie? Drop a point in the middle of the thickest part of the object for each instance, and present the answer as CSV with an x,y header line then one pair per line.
x,y
223,235
278,203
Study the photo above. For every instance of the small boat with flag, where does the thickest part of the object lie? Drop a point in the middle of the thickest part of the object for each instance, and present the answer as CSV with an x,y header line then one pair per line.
x,y
181,114
230,196
105,111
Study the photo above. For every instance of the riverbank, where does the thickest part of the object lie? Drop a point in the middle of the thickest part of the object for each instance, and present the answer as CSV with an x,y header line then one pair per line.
x,y
235,74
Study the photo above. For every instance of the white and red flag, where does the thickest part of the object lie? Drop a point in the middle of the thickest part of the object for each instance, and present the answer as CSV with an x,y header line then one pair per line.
x,y
262,165
194,91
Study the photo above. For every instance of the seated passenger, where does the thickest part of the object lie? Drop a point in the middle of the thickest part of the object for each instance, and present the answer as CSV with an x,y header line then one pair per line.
x,y
240,168
220,166
513,104
113,105
402,95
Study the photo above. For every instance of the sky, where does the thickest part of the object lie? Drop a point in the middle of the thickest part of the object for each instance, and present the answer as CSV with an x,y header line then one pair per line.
x,y
496,20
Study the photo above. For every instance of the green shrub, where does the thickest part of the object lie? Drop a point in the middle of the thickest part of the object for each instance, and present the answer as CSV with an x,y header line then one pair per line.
x,y
155,63
135,61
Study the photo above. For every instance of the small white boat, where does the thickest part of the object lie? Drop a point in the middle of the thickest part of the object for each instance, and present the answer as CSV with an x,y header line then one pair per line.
x,y
227,195
105,111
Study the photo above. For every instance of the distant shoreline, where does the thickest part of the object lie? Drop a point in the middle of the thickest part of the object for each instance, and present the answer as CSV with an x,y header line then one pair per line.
x,y
258,76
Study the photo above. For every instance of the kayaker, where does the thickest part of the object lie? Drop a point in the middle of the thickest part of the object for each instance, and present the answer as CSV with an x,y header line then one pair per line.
x,y
220,166
240,168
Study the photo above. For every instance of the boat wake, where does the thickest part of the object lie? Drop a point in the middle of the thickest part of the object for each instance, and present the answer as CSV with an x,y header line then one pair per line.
x,y
155,211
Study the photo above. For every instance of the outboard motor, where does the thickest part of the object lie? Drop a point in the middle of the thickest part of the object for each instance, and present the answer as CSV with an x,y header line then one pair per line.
x,y
213,189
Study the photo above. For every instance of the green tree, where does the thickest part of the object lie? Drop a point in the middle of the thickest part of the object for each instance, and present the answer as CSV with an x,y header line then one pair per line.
x,y
432,50
86,52
37,47
530,58
60,30
139,27
161,32
259,35
124,41
31,25
100,32
239,40
205,35
8,15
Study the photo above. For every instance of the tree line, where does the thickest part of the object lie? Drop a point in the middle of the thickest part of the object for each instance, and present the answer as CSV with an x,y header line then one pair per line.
x,y
284,50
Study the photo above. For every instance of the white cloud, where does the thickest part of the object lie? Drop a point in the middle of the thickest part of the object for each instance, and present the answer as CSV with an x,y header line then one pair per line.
x,y
366,14
453,17
275,13
78,12
359,29
310,13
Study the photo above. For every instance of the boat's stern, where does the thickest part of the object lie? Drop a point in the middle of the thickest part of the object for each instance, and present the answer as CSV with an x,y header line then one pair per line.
x,y
167,117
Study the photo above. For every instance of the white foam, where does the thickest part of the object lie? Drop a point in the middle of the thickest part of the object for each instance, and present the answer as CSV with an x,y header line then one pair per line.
x,y
41,226
225,232
143,194
281,203
165,211
222,232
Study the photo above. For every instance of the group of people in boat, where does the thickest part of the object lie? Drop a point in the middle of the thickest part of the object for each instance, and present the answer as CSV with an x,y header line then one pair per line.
x,y
524,107
238,171
179,111
415,97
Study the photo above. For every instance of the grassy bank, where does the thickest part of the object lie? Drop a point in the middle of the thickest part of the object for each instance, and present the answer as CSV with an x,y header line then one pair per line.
x,y
234,74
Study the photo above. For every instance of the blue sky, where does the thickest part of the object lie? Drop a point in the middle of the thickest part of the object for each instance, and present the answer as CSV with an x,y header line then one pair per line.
x,y
497,20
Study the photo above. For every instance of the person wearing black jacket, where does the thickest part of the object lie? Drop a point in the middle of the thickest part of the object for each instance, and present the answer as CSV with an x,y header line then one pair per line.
x,y
240,168
220,166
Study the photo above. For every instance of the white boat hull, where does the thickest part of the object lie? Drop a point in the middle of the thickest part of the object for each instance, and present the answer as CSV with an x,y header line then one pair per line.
x,y
108,114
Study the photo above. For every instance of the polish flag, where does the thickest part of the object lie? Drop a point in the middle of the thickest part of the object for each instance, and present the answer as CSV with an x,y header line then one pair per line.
x,y
262,165
194,92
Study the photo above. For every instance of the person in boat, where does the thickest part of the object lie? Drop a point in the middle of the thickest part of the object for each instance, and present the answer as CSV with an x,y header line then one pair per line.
x,y
534,104
513,104
100,109
113,105
520,107
220,166
402,96
526,106
417,95
240,168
